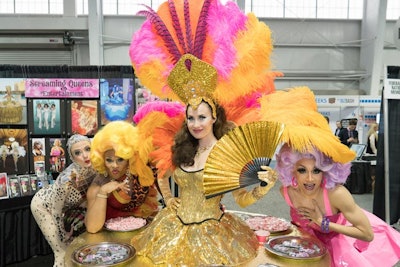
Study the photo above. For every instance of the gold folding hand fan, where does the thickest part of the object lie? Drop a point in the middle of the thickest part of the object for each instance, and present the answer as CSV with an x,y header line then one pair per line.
x,y
236,158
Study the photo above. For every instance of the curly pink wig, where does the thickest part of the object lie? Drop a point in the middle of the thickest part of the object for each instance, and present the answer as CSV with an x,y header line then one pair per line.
x,y
334,172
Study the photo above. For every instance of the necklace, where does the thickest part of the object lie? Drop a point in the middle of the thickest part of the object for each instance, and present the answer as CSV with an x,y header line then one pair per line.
x,y
202,149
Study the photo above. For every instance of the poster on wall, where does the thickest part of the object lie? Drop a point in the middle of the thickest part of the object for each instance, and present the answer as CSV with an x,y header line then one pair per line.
x,y
116,100
57,154
13,151
12,101
46,116
38,157
3,185
83,117
14,186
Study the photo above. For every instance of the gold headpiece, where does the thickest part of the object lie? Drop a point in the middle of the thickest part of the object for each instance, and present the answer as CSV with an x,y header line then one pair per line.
x,y
193,81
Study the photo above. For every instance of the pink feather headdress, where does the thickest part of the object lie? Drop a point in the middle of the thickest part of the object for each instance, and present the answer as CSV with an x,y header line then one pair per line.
x,y
237,46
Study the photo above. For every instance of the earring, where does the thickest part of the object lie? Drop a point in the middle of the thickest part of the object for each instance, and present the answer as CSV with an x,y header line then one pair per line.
x,y
323,183
105,174
294,182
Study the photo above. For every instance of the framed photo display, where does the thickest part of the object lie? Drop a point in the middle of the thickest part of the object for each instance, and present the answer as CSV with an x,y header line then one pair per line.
x,y
13,151
116,99
38,157
45,118
57,154
14,189
13,108
3,185
24,181
83,117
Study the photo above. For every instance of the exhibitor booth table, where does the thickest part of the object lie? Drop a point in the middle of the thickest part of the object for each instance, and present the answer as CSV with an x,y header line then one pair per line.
x,y
263,255
20,236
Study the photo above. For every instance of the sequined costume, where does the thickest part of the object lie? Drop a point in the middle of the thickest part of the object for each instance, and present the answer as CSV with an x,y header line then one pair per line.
x,y
142,202
198,226
50,203
383,250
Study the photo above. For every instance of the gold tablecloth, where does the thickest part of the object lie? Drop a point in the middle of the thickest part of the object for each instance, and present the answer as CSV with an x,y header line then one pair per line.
x,y
263,256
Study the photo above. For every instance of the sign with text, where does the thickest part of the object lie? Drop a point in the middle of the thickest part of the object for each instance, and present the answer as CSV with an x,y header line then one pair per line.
x,y
348,100
62,88
392,89
392,82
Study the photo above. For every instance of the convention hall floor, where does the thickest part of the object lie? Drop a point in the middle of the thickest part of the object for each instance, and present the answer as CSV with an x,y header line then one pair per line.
x,y
272,204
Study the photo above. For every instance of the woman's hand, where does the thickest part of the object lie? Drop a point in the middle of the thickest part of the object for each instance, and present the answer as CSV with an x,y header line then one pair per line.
x,y
314,215
268,175
114,185
174,203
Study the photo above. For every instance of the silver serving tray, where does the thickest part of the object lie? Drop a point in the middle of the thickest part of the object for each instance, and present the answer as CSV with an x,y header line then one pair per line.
x,y
296,247
103,254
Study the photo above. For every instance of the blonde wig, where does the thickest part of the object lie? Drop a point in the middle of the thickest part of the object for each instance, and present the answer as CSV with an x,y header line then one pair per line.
x,y
121,137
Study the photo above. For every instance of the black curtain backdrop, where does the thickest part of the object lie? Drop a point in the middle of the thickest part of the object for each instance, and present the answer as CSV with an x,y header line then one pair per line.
x,y
379,208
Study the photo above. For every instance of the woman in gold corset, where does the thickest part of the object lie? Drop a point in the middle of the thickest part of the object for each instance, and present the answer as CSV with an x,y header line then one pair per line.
x,y
191,223
180,54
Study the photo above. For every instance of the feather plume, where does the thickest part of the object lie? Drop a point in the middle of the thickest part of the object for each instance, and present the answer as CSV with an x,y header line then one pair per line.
x,y
201,31
171,109
305,138
226,22
296,106
145,137
304,125
238,46
189,37
253,47
144,172
176,25
163,139
163,32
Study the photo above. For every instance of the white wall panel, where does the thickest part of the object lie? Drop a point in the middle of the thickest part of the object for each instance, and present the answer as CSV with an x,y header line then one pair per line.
x,y
36,57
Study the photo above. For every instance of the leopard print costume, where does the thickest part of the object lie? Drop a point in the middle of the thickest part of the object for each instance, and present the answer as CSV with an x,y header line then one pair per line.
x,y
51,202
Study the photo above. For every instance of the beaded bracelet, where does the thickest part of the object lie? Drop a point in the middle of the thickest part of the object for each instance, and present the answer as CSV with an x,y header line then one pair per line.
x,y
325,225
100,195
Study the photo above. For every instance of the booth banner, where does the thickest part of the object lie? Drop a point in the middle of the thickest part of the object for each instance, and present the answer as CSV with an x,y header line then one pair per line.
x,y
348,100
62,88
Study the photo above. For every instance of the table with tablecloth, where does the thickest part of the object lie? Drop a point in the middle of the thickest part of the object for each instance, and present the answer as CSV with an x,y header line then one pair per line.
x,y
263,255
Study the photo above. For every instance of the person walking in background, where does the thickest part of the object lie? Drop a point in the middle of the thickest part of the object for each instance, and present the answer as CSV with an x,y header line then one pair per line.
x,y
322,206
349,135
372,139
338,128
59,208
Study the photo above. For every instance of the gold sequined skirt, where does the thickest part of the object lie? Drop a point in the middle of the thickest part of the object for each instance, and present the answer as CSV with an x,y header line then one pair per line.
x,y
167,241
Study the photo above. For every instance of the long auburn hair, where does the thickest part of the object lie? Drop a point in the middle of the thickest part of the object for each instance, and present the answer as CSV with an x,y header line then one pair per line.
x,y
185,145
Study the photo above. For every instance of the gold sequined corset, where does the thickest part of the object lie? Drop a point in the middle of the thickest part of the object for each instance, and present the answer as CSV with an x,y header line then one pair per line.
x,y
195,207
